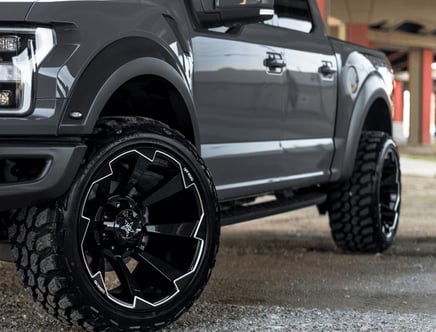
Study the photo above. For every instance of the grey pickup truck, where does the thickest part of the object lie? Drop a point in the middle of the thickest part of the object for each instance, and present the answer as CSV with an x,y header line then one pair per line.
x,y
132,130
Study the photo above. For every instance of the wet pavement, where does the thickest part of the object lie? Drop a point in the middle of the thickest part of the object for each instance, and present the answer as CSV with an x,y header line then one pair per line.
x,y
283,273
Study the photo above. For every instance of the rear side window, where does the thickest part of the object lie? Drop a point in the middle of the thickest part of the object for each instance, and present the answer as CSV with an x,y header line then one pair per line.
x,y
294,15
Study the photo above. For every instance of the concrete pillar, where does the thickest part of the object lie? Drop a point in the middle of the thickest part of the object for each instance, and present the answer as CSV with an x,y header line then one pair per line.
x,y
398,116
427,93
398,101
358,33
433,118
415,96
322,9
421,89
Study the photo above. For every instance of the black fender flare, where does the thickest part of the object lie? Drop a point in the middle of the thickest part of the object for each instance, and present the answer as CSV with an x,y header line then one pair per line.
x,y
372,90
114,66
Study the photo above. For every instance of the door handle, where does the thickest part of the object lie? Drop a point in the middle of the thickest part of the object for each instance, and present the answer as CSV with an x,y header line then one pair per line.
x,y
326,70
274,61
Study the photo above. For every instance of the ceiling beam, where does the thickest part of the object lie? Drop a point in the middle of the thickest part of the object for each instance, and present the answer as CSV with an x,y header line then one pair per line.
x,y
402,65
401,39
397,55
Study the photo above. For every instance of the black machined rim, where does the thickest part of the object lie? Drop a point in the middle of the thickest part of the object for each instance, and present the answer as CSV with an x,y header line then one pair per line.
x,y
390,193
142,231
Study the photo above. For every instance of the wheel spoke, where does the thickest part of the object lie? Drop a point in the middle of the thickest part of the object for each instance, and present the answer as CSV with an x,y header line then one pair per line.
x,y
389,180
91,208
166,270
103,191
386,207
177,251
388,210
179,208
388,218
181,229
127,281
130,177
94,250
97,263
168,189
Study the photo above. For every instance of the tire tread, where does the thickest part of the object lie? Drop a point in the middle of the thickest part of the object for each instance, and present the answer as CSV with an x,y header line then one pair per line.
x,y
352,204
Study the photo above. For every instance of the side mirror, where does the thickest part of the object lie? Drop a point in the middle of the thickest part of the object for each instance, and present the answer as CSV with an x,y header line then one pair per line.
x,y
214,13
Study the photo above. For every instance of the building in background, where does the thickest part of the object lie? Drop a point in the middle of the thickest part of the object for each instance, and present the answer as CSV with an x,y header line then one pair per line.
x,y
406,31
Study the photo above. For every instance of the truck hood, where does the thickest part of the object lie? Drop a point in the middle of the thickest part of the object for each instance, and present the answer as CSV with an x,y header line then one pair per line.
x,y
14,10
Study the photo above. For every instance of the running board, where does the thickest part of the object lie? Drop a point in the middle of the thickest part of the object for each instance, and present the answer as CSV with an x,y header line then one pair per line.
x,y
255,211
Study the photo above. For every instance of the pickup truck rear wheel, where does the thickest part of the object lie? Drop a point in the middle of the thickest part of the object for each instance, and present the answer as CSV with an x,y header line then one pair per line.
x,y
364,210
133,243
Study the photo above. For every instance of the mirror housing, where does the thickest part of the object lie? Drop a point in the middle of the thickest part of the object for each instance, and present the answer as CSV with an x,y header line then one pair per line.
x,y
214,13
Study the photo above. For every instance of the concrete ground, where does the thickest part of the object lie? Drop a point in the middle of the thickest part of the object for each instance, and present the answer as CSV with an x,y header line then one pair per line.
x,y
284,273
418,167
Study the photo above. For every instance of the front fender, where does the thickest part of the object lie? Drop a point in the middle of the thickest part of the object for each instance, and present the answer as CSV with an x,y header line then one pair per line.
x,y
110,70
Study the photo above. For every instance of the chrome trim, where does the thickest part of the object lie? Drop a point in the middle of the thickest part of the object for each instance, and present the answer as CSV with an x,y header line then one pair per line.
x,y
209,151
269,181
238,149
307,143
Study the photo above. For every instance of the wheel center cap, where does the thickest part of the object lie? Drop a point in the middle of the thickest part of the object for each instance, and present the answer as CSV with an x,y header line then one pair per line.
x,y
127,224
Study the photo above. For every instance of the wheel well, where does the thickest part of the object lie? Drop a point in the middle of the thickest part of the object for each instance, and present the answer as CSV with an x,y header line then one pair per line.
x,y
153,97
379,117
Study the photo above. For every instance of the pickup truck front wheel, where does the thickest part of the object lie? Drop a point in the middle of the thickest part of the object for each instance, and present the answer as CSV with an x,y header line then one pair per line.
x,y
364,210
133,243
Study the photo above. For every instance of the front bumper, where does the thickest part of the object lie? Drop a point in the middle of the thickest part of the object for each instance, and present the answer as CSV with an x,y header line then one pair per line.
x,y
57,166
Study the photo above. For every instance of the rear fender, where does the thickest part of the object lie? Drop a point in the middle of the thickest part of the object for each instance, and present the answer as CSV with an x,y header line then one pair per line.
x,y
347,141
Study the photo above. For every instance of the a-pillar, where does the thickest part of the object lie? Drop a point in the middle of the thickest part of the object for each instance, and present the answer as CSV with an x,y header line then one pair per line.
x,y
421,89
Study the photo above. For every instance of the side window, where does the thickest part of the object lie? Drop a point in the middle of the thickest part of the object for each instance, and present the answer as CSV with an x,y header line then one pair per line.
x,y
294,15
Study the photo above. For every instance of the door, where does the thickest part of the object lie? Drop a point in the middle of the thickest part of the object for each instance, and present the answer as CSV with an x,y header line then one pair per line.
x,y
310,106
240,94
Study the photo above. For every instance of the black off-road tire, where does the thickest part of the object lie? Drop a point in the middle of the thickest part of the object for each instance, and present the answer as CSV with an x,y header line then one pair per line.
x,y
49,249
364,210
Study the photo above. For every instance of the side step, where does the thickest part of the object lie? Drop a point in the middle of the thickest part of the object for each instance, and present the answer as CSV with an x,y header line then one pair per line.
x,y
254,211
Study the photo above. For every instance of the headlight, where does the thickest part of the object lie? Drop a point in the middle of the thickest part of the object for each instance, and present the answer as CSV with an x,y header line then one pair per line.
x,y
21,52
